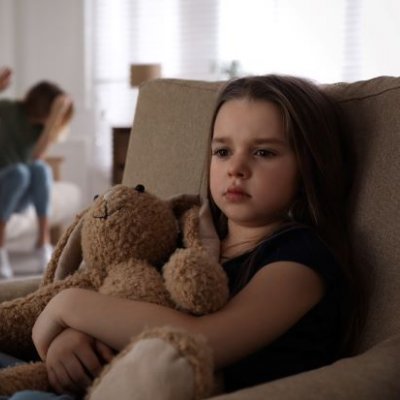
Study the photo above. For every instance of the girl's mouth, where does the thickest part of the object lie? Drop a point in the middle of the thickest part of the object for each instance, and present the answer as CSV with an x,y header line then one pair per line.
x,y
236,195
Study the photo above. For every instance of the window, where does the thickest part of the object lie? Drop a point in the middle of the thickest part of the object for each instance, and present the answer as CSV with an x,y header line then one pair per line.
x,y
179,34
328,41
305,38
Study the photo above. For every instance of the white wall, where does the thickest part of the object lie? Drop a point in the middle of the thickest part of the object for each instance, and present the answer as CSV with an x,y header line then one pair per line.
x,y
45,39
7,40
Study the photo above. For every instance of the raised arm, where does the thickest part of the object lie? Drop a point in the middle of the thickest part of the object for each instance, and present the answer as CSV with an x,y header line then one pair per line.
x,y
273,301
53,125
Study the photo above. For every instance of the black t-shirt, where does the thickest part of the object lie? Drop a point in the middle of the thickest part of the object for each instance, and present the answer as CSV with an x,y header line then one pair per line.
x,y
314,340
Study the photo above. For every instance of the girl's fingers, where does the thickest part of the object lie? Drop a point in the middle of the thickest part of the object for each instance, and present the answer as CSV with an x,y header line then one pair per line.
x,y
54,382
105,352
70,376
90,361
208,235
61,381
77,373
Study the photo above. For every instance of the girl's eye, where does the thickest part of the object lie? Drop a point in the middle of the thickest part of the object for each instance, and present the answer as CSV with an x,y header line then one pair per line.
x,y
264,153
220,153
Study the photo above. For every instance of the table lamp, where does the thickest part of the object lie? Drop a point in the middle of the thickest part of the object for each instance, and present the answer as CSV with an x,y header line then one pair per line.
x,y
140,73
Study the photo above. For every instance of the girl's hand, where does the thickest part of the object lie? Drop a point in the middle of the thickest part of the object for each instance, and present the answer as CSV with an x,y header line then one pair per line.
x,y
48,325
5,77
208,235
74,359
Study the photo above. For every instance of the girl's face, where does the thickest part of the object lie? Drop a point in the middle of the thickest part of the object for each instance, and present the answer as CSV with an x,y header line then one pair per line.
x,y
253,173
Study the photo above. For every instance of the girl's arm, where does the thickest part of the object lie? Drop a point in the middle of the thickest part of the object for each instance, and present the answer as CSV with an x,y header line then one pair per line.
x,y
52,126
273,301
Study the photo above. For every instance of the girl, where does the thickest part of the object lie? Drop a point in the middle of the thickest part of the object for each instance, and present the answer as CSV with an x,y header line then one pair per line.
x,y
277,187
27,128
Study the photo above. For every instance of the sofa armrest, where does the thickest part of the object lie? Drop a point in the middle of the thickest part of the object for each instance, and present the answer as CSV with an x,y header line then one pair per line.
x,y
372,375
18,287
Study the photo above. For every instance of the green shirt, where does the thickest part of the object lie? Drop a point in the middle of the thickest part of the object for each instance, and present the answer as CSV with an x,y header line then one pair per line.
x,y
17,136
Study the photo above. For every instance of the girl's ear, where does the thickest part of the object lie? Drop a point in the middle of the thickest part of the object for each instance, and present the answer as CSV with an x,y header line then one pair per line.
x,y
183,202
67,255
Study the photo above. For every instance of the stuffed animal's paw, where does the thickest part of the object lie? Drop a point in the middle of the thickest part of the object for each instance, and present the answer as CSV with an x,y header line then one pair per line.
x,y
160,364
196,282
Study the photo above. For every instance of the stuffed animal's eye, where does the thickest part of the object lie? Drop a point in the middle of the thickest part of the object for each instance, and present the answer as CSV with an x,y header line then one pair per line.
x,y
95,197
140,188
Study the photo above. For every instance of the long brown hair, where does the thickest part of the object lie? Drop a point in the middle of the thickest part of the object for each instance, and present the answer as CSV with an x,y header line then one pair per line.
x,y
312,126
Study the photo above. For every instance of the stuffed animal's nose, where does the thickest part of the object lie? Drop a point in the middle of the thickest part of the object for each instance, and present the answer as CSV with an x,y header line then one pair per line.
x,y
140,188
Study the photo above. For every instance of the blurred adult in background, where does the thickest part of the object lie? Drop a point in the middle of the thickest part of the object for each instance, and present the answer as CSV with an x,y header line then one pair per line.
x,y
27,128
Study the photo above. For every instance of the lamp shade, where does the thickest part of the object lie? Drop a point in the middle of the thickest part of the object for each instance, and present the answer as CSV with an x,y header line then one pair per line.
x,y
140,73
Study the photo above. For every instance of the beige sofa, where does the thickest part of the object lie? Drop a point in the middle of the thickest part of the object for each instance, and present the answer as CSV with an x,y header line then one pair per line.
x,y
166,154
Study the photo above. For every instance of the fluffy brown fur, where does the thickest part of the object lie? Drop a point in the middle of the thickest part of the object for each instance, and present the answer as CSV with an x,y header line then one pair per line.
x,y
114,247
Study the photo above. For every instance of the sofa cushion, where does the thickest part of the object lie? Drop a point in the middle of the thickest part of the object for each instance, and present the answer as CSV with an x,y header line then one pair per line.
x,y
372,375
18,287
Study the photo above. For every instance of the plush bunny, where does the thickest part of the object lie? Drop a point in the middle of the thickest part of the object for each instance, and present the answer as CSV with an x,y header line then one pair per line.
x,y
126,244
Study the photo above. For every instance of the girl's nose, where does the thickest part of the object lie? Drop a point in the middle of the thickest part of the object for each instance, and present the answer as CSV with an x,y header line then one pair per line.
x,y
238,167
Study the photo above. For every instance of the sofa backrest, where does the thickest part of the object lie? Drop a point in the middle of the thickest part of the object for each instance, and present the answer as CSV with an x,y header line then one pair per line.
x,y
372,118
167,150
167,154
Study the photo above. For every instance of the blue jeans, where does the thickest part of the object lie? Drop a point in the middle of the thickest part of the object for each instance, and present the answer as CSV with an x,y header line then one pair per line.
x,y
24,184
7,361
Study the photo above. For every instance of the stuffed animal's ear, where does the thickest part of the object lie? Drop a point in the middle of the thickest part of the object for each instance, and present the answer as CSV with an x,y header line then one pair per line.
x,y
67,255
183,202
